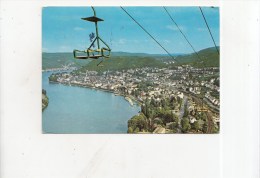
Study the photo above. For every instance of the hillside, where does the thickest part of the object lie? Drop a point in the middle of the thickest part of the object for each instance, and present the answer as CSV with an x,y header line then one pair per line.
x,y
142,54
58,60
121,63
124,60
208,57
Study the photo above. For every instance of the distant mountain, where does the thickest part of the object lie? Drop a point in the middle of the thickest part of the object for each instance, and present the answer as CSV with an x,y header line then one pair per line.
x,y
125,60
207,57
58,60
142,54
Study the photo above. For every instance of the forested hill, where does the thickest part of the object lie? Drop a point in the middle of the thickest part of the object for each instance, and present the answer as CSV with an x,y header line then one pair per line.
x,y
123,62
208,58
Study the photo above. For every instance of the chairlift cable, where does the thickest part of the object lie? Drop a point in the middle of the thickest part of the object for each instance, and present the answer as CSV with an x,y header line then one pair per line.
x,y
187,42
182,32
148,33
208,29
190,46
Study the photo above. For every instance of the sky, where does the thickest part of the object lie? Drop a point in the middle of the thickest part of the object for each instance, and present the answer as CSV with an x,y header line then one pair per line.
x,y
63,30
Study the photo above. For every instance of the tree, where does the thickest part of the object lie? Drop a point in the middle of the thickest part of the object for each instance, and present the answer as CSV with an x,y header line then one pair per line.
x,y
186,112
151,113
163,103
43,91
139,121
185,124
215,129
205,127
158,121
137,130
130,130
153,102
203,116
172,104
144,109
216,82
168,117
142,122
176,120
196,125
53,78
179,100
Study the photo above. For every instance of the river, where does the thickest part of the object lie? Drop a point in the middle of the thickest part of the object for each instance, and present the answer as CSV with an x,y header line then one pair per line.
x,y
77,110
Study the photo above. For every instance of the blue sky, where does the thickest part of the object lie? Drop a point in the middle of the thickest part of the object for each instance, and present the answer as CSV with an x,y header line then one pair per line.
x,y
63,30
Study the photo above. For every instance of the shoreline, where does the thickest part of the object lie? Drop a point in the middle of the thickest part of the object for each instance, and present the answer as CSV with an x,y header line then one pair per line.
x,y
132,101
59,69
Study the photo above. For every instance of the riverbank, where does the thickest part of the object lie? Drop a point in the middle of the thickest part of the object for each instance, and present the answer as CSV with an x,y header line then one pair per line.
x,y
131,99
59,69
45,100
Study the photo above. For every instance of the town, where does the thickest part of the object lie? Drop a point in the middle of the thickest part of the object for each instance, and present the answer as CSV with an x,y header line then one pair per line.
x,y
180,99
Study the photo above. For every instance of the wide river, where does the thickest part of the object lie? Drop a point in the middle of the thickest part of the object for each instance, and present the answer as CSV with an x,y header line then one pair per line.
x,y
79,110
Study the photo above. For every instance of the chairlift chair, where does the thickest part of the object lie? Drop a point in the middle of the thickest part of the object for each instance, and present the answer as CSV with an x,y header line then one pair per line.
x,y
90,52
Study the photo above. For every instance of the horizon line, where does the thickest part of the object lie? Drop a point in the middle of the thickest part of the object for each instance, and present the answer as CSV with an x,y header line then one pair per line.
x,y
139,52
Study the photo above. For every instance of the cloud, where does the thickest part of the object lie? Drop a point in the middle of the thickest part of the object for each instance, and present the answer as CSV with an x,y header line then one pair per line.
x,y
136,41
121,41
124,41
78,28
166,41
174,27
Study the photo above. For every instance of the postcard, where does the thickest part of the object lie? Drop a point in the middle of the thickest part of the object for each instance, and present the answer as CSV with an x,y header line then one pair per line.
x,y
141,70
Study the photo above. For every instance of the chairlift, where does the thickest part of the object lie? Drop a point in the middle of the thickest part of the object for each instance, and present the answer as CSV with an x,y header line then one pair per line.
x,y
90,52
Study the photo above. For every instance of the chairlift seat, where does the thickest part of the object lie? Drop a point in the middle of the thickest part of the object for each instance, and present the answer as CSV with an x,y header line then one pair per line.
x,y
95,56
81,57
93,50
90,52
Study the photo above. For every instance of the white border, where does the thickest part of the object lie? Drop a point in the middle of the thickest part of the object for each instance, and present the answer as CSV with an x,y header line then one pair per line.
x,y
25,152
